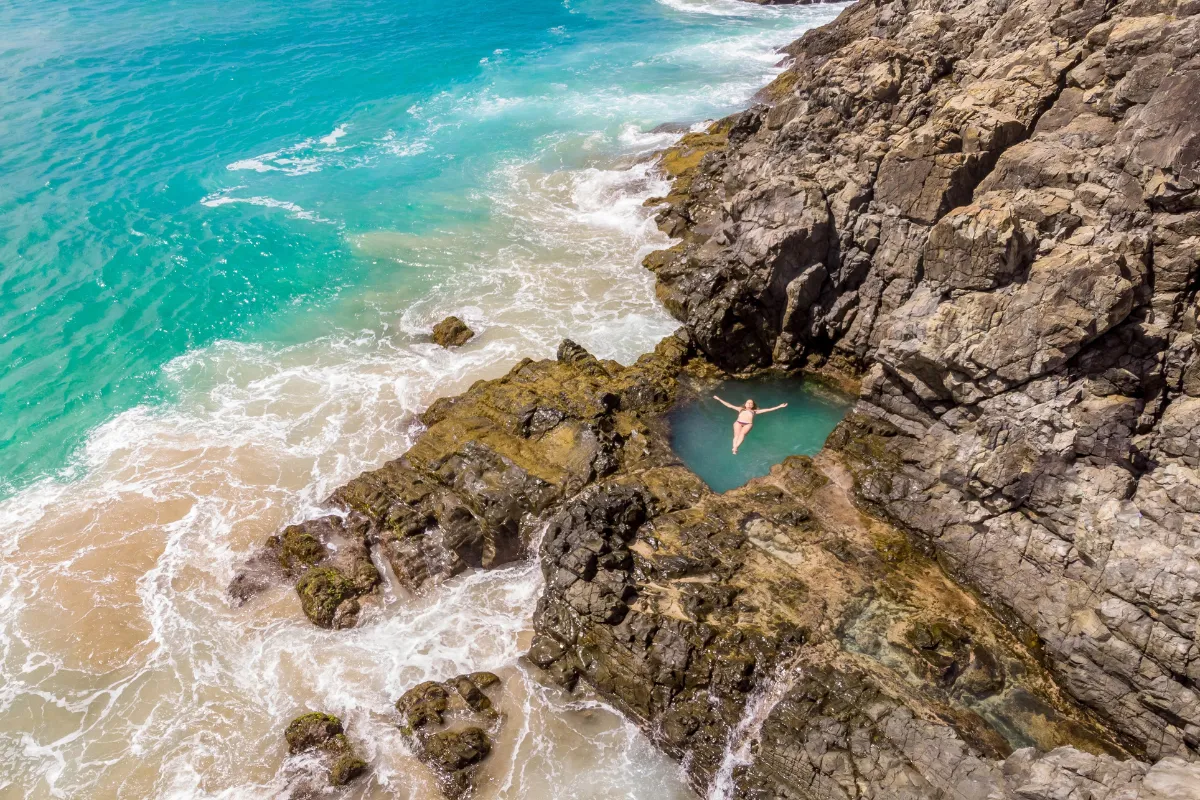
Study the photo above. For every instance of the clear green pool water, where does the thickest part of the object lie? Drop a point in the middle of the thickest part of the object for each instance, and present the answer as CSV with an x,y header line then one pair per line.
x,y
702,430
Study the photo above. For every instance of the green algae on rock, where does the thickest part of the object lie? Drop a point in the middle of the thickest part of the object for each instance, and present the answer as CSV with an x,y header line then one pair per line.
x,y
328,559
452,332
324,733
450,726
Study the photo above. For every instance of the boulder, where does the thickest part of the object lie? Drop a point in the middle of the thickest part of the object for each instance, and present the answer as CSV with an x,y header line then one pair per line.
x,y
452,332
451,726
323,733
328,560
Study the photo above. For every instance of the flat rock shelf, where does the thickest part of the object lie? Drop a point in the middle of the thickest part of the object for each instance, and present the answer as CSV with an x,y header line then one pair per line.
x,y
702,428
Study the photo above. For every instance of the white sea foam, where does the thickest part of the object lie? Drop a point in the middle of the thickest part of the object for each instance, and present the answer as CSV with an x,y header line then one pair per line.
x,y
306,157
639,141
725,8
220,199
748,731
393,145
330,139
280,161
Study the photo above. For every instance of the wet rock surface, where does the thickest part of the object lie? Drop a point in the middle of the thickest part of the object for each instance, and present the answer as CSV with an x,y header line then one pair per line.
x,y
329,561
452,332
322,735
474,487
450,727
988,209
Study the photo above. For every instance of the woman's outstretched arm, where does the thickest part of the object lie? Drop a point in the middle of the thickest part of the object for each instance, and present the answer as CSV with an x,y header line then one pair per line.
x,y
728,405
772,408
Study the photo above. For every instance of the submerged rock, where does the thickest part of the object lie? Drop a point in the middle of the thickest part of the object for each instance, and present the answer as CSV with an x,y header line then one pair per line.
x,y
450,726
323,733
452,332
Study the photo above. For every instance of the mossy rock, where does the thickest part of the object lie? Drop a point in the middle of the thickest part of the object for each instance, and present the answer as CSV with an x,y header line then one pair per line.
x,y
424,704
322,592
311,730
299,549
686,155
345,769
324,732
484,680
780,88
452,332
452,751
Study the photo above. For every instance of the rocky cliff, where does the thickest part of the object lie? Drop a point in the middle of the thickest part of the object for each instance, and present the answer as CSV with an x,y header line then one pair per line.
x,y
990,210
987,584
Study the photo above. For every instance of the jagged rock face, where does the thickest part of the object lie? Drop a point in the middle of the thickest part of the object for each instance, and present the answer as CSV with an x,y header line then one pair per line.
x,y
686,608
991,209
475,486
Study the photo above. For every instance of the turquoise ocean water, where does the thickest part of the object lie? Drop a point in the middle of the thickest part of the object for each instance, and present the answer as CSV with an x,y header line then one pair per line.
x,y
179,173
226,228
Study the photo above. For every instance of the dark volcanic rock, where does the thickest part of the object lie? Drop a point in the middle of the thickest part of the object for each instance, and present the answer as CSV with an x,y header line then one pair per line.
x,y
779,616
990,209
452,332
451,726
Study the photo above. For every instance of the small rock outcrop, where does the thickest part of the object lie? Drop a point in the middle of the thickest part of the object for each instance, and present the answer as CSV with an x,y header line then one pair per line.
x,y
329,561
475,486
452,332
323,734
450,726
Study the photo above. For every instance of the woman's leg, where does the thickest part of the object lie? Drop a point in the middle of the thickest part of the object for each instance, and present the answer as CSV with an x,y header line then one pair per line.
x,y
739,433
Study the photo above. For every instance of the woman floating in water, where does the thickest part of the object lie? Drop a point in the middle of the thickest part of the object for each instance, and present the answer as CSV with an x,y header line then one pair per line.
x,y
745,420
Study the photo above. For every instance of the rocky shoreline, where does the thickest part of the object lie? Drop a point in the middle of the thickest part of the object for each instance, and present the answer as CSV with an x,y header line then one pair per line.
x,y
987,585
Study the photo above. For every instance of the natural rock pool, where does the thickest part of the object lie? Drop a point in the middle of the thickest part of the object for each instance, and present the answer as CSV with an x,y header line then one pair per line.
x,y
702,428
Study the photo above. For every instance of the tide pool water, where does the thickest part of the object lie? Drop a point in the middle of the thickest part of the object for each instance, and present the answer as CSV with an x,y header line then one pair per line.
x,y
225,230
702,429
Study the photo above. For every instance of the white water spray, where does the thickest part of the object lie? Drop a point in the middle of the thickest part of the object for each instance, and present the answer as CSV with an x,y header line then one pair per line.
x,y
739,748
